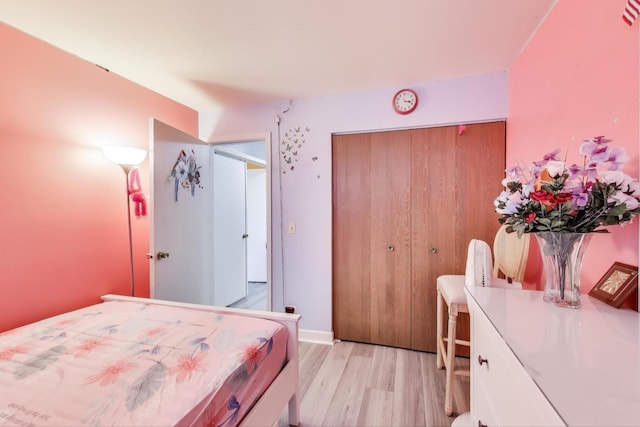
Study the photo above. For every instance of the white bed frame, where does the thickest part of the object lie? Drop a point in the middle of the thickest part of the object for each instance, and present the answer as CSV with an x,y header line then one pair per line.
x,y
285,387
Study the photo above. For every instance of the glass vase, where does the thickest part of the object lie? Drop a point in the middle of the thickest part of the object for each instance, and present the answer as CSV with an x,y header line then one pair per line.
x,y
562,255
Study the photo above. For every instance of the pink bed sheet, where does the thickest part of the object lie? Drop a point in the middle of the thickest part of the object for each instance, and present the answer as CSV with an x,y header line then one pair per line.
x,y
136,364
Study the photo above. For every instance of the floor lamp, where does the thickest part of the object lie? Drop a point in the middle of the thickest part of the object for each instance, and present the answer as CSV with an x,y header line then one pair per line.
x,y
127,158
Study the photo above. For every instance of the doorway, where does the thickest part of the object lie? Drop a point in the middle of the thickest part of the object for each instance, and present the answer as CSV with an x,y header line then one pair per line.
x,y
181,225
255,151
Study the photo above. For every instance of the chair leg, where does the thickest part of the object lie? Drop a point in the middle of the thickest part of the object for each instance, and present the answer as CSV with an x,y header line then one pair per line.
x,y
451,354
439,360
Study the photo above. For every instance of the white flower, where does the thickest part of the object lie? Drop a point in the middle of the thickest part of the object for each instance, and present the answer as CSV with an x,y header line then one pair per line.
x,y
508,180
555,168
512,203
612,177
634,189
619,198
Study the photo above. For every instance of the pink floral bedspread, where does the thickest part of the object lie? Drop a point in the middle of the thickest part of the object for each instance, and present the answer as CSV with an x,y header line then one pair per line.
x,y
135,364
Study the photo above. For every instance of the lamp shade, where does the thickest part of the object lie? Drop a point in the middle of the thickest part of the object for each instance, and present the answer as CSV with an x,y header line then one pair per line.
x,y
128,156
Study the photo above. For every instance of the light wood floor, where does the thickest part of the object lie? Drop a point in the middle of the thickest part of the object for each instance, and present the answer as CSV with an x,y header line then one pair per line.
x,y
256,298
353,384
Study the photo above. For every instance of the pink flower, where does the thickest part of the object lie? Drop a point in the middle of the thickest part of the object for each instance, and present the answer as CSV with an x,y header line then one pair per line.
x,y
152,332
65,321
186,365
617,158
87,346
110,374
548,157
251,354
8,353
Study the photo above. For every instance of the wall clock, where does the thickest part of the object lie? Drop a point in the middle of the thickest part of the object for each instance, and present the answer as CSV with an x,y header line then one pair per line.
x,y
405,101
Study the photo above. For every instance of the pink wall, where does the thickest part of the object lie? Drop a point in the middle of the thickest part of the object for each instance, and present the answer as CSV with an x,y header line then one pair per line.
x,y
578,78
63,227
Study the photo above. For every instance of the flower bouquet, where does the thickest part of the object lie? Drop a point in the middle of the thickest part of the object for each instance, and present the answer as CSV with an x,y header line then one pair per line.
x,y
563,204
550,196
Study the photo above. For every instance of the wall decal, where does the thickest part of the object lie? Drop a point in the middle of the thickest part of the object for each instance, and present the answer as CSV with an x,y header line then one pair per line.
x,y
186,173
291,145
315,158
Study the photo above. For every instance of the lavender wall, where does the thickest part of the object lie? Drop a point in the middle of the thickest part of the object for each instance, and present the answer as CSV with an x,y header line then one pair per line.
x,y
306,190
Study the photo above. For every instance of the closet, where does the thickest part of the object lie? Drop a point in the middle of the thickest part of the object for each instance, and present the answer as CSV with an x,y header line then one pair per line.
x,y
405,205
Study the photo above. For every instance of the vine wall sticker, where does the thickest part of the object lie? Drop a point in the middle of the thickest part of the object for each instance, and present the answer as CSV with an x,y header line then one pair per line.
x,y
290,146
185,173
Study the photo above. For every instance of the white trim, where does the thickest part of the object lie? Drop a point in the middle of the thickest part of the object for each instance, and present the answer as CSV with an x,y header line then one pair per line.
x,y
316,337
248,137
238,155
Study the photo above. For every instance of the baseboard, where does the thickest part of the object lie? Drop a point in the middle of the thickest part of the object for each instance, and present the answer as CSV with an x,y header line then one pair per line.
x,y
316,337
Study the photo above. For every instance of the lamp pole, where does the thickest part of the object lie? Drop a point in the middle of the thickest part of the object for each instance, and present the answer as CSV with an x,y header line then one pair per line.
x,y
127,158
126,170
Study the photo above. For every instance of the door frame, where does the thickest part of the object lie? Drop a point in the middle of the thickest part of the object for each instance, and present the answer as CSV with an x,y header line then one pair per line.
x,y
266,138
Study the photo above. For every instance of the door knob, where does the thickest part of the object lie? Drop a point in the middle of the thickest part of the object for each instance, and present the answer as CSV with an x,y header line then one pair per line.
x,y
245,235
162,255
482,361
433,250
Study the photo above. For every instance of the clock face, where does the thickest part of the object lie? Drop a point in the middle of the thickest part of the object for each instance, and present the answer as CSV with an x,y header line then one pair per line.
x,y
405,101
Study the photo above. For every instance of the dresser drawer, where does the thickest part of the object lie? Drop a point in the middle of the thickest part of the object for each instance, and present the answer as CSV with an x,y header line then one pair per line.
x,y
508,390
482,414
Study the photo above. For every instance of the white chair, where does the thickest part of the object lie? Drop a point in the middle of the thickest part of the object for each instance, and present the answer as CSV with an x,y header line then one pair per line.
x,y
450,289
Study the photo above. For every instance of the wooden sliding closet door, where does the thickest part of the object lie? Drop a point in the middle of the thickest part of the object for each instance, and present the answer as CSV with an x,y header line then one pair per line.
x,y
351,255
481,155
434,225
405,206
371,238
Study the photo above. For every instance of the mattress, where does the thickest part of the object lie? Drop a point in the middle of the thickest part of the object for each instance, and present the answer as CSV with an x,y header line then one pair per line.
x,y
129,363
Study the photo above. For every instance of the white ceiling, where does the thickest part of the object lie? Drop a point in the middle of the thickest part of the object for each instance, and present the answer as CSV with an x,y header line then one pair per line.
x,y
227,53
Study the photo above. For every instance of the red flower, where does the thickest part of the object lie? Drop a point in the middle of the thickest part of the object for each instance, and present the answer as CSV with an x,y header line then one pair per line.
x,y
541,196
562,197
545,198
531,216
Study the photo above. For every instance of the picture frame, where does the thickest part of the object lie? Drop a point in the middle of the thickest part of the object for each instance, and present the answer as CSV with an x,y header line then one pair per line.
x,y
616,284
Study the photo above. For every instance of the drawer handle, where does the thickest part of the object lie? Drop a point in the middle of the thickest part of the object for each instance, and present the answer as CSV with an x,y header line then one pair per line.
x,y
480,424
482,361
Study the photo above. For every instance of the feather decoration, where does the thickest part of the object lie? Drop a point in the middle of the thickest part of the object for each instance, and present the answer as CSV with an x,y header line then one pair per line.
x,y
39,362
146,386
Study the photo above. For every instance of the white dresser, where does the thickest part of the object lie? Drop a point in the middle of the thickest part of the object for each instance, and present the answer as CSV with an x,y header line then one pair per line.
x,y
534,364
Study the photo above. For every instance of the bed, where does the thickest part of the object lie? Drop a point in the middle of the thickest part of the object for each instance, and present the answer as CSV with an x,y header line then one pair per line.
x,y
137,361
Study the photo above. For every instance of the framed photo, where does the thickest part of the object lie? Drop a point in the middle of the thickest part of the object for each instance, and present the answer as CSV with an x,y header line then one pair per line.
x,y
616,285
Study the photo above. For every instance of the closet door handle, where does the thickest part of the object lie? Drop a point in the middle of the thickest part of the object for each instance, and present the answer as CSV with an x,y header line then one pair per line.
x,y
433,250
391,248
480,424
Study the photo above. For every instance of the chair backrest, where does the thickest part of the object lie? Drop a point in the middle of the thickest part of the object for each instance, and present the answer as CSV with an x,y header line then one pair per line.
x,y
478,270
510,254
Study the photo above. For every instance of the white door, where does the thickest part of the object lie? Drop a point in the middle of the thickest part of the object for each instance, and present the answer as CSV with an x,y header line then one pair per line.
x,y
180,215
229,230
257,224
